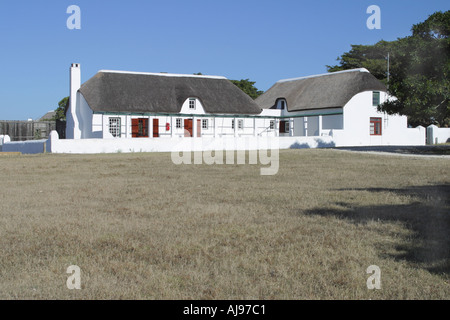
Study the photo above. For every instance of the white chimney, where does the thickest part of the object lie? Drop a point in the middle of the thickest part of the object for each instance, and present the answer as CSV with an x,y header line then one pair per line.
x,y
72,120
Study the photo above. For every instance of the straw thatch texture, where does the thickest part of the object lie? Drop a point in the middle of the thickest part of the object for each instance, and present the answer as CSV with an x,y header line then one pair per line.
x,y
147,93
320,92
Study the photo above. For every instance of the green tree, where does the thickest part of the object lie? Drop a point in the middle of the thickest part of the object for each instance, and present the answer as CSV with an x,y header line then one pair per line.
x,y
248,87
419,70
60,111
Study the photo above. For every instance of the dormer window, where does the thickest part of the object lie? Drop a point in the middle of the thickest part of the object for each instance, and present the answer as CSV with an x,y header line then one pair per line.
x,y
282,104
375,98
191,104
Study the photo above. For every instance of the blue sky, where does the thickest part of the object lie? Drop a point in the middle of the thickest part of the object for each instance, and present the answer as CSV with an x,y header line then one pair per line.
x,y
260,40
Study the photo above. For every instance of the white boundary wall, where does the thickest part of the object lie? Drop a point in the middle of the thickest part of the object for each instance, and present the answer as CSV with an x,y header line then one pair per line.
x,y
405,137
337,138
81,146
27,147
437,135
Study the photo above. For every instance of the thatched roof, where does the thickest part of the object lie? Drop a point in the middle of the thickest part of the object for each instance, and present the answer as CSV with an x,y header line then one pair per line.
x,y
328,90
133,92
48,116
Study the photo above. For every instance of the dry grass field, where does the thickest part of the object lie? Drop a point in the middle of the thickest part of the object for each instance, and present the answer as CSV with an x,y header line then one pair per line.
x,y
141,227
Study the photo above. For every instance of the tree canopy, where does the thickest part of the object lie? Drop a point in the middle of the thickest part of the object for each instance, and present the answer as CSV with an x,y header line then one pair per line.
x,y
419,70
60,111
248,87
245,85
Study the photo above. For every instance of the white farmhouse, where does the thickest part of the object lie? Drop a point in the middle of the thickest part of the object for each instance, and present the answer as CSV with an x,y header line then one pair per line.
x,y
125,111
342,105
128,105
121,111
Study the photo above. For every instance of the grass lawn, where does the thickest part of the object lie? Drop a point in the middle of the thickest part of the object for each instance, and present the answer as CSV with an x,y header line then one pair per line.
x,y
141,227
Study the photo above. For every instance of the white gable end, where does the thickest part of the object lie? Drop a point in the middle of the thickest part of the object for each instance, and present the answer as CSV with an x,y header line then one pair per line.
x,y
192,106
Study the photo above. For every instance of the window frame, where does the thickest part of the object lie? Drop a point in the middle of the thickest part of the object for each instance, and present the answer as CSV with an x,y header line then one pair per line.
x,y
376,98
374,121
287,126
271,124
192,103
240,124
205,124
117,128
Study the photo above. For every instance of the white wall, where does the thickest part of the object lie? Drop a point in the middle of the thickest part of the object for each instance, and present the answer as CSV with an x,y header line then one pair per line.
x,y
25,147
72,117
333,122
81,146
437,135
356,130
198,107
408,137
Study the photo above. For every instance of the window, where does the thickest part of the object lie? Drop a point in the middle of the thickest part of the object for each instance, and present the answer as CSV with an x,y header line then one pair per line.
x,y
272,124
282,104
114,127
139,127
240,124
204,123
375,126
286,126
178,123
192,104
232,124
375,98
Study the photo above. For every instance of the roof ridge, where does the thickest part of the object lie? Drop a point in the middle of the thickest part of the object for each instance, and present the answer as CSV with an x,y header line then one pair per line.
x,y
163,74
324,74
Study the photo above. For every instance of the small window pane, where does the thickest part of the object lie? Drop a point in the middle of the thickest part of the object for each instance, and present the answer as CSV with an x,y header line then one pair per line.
x,y
376,98
191,103
114,127
375,126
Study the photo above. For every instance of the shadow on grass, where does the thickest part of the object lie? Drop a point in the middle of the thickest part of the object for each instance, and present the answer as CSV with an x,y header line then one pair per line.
x,y
428,217
320,144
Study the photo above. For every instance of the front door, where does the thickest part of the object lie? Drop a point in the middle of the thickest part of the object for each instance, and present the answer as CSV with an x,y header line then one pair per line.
x,y
283,126
188,127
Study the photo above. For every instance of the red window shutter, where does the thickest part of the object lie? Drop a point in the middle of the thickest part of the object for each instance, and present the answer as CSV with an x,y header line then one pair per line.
x,y
155,128
134,128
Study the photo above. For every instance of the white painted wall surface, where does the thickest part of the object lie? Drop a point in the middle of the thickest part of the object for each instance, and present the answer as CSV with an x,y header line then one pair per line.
x,y
356,130
437,135
198,107
25,147
4,139
72,117
91,146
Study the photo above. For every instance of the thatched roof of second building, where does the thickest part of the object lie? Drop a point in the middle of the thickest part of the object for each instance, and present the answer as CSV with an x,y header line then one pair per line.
x,y
329,90
134,92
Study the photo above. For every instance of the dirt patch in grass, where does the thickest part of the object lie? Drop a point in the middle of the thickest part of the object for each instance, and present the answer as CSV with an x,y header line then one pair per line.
x,y
141,227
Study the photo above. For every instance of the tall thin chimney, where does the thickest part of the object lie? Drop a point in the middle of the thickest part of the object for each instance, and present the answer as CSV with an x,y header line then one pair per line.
x,y
72,120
